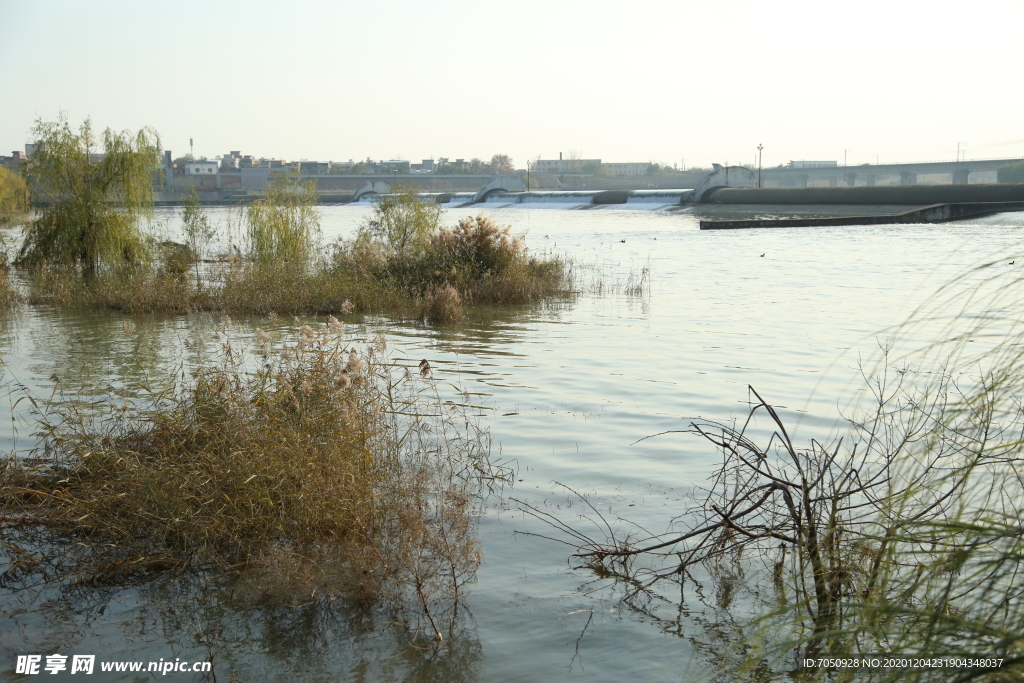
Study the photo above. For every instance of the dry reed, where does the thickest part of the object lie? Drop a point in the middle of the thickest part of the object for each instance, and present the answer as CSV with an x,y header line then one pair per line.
x,y
310,471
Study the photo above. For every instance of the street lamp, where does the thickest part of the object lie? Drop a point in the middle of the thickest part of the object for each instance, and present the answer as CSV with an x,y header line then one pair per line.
x,y
759,148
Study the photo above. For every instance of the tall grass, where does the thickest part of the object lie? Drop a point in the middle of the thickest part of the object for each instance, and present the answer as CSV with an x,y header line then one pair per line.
x,y
308,469
475,262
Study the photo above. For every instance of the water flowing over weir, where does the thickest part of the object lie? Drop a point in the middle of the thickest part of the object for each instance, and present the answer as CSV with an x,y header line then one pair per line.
x,y
572,199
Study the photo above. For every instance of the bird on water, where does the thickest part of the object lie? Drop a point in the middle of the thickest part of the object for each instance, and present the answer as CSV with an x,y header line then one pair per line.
x,y
424,368
762,255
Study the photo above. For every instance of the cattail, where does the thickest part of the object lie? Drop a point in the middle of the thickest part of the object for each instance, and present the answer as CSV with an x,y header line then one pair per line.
x,y
129,327
344,381
347,307
262,337
306,331
225,322
424,368
335,326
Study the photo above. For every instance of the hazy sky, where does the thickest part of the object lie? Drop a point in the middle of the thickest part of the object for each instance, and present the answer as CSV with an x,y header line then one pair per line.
x,y
622,81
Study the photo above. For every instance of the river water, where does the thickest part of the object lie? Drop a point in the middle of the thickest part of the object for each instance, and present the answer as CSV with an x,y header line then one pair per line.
x,y
567,390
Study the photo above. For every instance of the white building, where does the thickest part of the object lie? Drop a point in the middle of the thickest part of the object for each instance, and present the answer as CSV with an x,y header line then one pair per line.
x,y
201,167
627,168
558,166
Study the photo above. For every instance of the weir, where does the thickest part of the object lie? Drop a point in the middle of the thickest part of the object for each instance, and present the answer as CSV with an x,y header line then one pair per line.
x,y
567,199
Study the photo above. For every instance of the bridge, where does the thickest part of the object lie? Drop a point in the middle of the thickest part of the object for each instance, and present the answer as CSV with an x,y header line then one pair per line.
x,y
906,173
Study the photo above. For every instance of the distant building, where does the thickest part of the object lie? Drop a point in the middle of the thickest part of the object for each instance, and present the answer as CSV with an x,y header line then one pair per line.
x,y
314,167
560,165
201,167
813,164
392,165
627,168
426,166
14,161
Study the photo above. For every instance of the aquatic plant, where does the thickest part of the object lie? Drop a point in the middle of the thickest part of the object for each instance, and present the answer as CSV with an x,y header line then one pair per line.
x,y
307,471
442,304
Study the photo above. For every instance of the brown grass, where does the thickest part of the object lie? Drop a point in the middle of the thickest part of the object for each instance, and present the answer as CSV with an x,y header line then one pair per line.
x,y
313,471
441,304
476,261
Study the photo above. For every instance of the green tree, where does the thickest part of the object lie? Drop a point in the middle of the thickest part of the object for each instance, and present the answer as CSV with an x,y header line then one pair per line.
x,y
198,231
182,160
89,203
502,163
653,168
1011,173
14,203
402,220
284,226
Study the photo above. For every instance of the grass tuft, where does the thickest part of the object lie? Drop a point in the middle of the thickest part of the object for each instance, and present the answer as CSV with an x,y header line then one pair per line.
x,y
306,471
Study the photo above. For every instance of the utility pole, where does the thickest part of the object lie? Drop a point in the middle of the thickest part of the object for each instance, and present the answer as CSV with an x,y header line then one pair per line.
x,y
527,175
759,148
844,156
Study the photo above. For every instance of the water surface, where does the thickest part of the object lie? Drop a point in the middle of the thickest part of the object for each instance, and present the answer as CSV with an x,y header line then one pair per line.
x,y
567,388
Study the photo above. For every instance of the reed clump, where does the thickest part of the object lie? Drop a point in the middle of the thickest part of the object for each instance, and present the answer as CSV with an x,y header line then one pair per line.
x,y
309,470
133,289
473,262
442,304
434,274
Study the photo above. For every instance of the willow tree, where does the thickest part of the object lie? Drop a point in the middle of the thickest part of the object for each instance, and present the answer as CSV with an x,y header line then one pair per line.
x,y
91,193
402,221
13,197
284,226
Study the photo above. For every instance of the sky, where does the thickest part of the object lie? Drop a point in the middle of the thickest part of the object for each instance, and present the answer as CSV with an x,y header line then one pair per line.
x,y
675,82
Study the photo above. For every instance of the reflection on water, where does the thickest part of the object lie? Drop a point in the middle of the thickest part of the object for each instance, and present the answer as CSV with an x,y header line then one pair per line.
x,y
566,388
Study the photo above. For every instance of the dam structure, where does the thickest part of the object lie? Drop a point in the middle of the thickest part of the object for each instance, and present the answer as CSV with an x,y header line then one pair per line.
x,y
728,197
